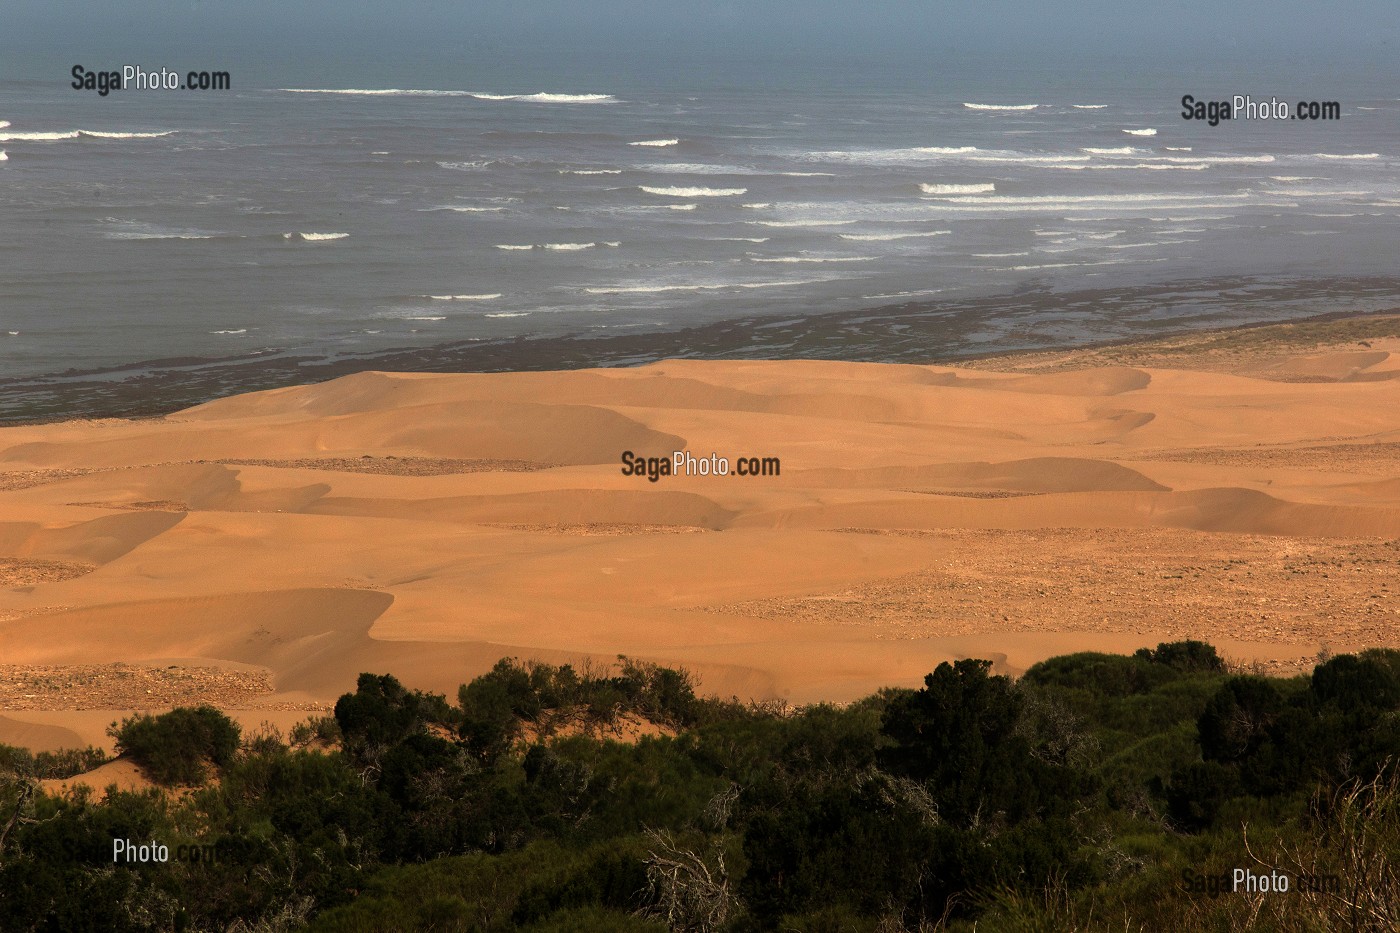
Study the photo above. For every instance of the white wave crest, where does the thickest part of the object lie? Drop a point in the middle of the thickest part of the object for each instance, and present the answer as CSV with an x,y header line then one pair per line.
x,y
1112,202
946,150
4,156
758,206
590,171
883,237
509,314
464,297
375,92
461,209
1088,106
743,239
4,123
1000,106
656,143
314,237
546,98
1354,155
421,92
1120,150
1109,199
241,330
1219,160
957,189
37,137
792,259
569,247
1032,160
1147,166
682,207
513,246
1146,132
101,135
800,223
694,192
1177,148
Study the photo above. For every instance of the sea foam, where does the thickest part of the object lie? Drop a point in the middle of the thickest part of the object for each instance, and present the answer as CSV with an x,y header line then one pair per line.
x,y
656,143
38,137
547,98
542,97
97,134
315,237
694,192
464,297
793,259
958,189
1146,132
1000,106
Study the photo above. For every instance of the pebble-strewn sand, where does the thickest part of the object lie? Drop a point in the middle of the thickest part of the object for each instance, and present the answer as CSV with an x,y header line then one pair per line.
x,y
260,551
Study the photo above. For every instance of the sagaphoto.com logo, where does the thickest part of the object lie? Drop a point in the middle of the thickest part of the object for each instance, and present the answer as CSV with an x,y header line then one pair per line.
x,y
136,77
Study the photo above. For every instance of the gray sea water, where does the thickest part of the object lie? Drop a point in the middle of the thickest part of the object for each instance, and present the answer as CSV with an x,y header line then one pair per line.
x,y
329,218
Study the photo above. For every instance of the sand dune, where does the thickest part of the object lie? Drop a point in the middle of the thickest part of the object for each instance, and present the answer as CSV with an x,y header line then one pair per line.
x,y
428,524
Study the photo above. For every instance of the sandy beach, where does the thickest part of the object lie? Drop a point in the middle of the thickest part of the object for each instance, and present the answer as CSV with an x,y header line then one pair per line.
x,y
259,551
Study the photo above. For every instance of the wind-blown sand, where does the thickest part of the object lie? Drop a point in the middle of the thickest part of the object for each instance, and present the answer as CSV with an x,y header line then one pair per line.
x,y
260,551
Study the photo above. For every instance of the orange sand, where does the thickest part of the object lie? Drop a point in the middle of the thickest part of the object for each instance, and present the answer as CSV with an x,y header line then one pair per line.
x,y
923,513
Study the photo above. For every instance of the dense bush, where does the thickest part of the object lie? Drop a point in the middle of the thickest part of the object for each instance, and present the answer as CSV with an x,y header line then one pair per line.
x,y
1078,797
177,747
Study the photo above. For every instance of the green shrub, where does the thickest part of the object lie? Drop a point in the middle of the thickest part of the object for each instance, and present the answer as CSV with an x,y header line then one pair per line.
x,y
177,747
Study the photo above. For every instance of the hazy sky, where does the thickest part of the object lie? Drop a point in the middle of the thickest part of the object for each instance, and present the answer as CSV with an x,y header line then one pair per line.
x,y
1345,34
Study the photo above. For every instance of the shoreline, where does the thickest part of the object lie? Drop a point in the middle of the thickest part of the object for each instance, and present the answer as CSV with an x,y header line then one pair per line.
x,y
922,332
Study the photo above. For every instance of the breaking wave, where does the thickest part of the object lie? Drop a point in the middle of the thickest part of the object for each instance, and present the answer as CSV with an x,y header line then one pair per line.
x,y
650,289
656,143
1000,106
694,192
958,189
547,98
542,97
1147,132
792,259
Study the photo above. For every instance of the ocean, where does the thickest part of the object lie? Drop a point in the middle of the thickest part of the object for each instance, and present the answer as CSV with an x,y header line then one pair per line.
x,y
150,232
